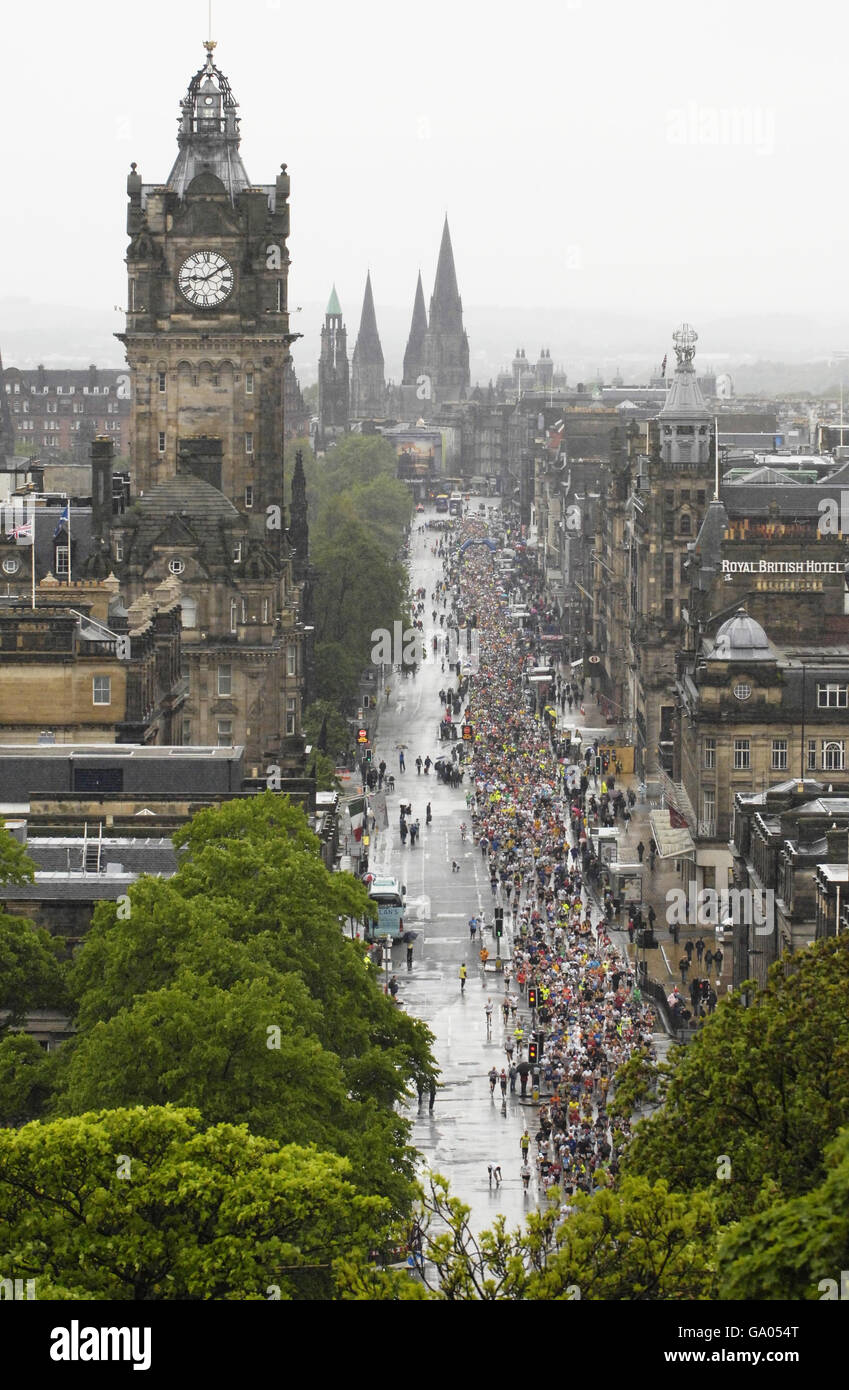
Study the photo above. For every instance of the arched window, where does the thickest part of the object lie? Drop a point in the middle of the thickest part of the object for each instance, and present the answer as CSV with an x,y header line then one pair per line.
x,y
686,525
832,756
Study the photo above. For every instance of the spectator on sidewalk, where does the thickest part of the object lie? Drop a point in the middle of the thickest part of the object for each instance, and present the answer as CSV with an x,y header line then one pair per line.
x,y
684,966
641,849
700,950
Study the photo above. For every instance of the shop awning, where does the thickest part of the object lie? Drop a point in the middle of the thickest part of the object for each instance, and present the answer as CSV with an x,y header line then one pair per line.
x,y
672,842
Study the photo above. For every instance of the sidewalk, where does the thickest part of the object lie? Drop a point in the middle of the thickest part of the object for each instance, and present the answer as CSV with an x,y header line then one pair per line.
x,y
658,883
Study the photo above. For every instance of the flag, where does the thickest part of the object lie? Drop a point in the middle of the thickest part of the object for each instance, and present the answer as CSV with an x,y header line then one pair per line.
x,y
677,821
22,534
357,812
663,366
63,517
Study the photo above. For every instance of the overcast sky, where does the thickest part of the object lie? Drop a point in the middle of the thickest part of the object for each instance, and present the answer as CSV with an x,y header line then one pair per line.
x,y
658,159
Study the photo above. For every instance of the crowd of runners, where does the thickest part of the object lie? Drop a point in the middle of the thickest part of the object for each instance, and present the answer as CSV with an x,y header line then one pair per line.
x,y
581,1013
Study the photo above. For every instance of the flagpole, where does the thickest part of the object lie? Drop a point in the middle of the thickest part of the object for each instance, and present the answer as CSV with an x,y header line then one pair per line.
x,y
68,495
33,557
716,461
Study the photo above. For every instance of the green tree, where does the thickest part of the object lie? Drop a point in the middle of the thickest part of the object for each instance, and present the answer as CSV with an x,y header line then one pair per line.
x,y
151,1204
175,1001
30,974
26,1078
760,1092
15,864
638,1243
789,1249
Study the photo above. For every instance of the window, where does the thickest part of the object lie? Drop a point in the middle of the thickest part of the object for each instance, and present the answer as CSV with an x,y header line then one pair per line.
x,y
225,733
161,376
279,296
708,825
162,441
194,381
710,752
742,691
79,408
119,551
668,571
812,755
237,553
266,610
52,407
685,560
669,524
700,497
101,690
249,495
779,755
187,732
189,612
832,696
176,566
686,524
234,617
685,494
832,756
249,383
669,499
291,660
215,379
669,610
249,442
291,712
225,680
62,560
244,610
11,565
742,761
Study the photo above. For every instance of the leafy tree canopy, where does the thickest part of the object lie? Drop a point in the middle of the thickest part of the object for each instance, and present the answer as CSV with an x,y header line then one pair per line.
x,y
150,1203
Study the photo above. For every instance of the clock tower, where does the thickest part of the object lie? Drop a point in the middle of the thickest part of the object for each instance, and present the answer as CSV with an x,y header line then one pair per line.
x,y
207,342
207,333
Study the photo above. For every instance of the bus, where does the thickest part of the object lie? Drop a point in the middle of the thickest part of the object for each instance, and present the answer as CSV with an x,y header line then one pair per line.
x,y
455,504
389,896
442,502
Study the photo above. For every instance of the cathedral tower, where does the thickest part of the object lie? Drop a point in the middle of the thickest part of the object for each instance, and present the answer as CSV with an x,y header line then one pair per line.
x,y
368,384
446,344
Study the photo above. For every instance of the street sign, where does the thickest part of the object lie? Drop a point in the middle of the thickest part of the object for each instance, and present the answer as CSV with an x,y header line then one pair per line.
x,y
594,660
362,735
468,732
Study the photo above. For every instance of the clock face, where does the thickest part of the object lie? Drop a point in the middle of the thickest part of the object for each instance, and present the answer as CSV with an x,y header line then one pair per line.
x,y
205,279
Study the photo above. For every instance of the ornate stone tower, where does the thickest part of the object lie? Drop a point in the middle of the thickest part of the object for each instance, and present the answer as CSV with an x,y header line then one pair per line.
x,y
368,384
685,433
207,342
446,345
207,318
334,396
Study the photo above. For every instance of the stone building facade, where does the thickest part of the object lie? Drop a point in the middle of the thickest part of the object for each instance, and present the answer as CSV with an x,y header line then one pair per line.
x,y
207,343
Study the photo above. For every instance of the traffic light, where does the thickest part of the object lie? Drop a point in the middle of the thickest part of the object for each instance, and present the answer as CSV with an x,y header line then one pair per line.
x,y
368,755
532,997
533,1053
499,921
597,766
366,701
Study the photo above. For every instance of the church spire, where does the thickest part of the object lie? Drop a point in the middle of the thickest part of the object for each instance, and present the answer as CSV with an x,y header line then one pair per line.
x,y
368,387
368,339
208,137
299,531
446,307
415,355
